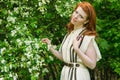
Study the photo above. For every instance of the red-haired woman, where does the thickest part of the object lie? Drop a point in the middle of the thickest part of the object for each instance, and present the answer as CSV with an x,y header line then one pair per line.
x,y
78,50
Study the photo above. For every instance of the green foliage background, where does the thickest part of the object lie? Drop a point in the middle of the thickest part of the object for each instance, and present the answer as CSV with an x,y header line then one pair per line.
x,y
23,23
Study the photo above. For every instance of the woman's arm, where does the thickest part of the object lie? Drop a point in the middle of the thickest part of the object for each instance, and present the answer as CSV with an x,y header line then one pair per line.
x,y
54,52
89,58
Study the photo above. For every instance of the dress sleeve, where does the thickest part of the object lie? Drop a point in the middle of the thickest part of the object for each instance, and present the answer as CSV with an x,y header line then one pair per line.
x,y
86,42
97,50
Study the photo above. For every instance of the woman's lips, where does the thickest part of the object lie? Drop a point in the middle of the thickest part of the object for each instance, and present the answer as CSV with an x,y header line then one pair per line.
x,y
73,20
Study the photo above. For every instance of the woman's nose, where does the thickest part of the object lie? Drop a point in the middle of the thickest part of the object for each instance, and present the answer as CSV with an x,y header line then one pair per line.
x,y
76,16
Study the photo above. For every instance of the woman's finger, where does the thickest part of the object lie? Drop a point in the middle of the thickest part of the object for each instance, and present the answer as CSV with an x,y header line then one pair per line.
x,y
44,40
79,37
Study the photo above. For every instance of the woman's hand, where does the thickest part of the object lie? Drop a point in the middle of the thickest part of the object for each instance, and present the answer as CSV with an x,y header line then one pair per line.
x,y
76,42
46,40
51,49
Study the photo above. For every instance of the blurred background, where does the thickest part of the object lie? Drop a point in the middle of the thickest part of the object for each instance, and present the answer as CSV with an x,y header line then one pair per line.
x,y
23,23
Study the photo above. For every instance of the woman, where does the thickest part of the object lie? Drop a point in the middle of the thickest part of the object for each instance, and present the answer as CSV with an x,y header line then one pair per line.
x,y
78,50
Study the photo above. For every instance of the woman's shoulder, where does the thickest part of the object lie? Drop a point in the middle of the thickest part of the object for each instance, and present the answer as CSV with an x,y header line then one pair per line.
x,y
89,36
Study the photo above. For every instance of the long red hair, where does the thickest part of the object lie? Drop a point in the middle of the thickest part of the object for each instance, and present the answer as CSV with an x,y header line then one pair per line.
x,y
91,25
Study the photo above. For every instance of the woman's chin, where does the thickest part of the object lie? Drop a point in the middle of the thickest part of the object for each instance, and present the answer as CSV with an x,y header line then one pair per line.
x,y
72,22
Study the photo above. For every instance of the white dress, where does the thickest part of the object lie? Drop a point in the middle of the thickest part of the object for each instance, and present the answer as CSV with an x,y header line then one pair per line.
x,y
69,56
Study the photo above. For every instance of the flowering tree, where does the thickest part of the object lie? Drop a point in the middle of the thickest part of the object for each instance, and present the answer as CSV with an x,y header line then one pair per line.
x,y
23,24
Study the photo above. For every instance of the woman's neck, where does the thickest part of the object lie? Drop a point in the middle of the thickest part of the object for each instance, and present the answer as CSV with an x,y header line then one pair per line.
x,y
77,27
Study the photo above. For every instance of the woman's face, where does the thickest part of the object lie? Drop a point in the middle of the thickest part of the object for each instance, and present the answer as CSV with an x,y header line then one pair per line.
x,y
79,17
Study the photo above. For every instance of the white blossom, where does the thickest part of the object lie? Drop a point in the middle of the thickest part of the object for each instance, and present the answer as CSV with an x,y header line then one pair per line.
x,y
28,42
28,63
5,69
51,58
36,45
11,19
48,1
9,12
34,68
39,3
10,66
10,75
66,4
16,9
1,78
25,14
21,65
13,2
28,49
5,41
25,27
41,62
37,56
23,58
30,70
42,9
43,1
19,42
36,74
28,54
3,61
45,70
13,32
2,50
15,77
17,28
37,61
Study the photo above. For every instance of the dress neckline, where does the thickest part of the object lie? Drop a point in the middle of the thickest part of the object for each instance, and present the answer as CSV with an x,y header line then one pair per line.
x,y
81,28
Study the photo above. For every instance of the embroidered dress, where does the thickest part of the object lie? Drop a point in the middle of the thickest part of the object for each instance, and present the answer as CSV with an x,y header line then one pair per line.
x,y
69,56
